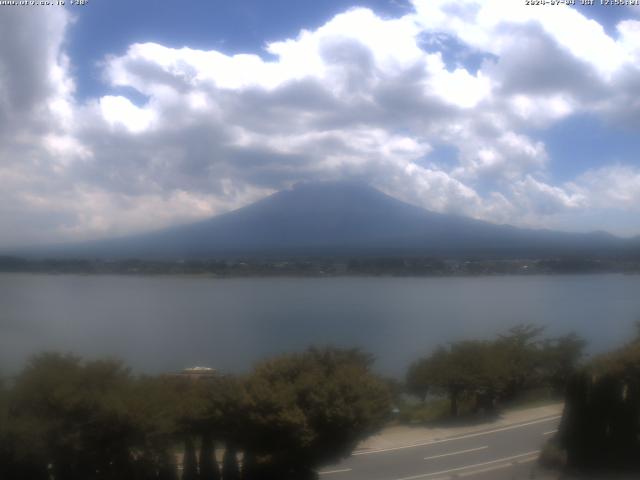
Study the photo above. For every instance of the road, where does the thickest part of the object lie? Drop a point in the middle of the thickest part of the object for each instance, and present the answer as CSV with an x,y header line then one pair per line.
x,y
507,452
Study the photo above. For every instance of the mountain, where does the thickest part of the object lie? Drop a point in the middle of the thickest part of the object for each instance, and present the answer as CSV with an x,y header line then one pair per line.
x,y
341,218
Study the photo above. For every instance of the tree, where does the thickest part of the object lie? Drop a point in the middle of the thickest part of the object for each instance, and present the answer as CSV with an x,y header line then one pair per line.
x,y
230,469
520,348
204,408
20,450
471,369
600,427
420,379
69,419
250,467
212,407
492,372
167,466
433,373
190,463
78,410
153,406
90,420
209,469
302,410
560,358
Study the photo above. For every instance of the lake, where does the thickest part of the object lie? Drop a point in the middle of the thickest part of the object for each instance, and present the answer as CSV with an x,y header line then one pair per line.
x,y
166,323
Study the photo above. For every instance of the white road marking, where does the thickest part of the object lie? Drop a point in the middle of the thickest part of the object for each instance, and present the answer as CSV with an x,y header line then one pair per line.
x,y
550,432
467,467
457,453
330,472
497,467
471,435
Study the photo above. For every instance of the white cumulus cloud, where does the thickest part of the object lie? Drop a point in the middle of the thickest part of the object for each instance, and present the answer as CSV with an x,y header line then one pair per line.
x,y
358,97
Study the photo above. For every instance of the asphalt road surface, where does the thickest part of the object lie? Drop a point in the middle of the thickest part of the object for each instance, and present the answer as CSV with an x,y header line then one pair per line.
x,y
502,453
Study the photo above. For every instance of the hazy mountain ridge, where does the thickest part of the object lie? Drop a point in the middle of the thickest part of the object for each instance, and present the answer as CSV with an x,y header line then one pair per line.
x,y
343,218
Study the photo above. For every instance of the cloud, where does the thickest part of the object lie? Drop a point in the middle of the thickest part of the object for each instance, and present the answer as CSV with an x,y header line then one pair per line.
x,y
119,111
360,97
506,156
489,25
614,186
36,85
537,197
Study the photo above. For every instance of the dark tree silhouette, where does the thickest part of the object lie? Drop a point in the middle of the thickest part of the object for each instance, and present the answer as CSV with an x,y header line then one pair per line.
x,y
230,469
67,419
250,469
600,428
167,469
189,464
209,469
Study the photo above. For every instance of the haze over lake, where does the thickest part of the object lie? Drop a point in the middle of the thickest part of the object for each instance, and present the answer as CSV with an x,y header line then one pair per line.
x,y
166,323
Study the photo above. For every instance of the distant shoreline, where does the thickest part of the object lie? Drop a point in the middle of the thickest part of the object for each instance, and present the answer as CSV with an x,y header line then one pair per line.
x,y
265,277
325,267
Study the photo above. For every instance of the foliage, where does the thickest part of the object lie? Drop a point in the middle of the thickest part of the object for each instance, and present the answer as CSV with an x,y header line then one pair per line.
x,y
190,462
469,369
78,412
230,469
600,427
88,420
559,358
311,408
520,349
428,411
68,419
487,373
250,469
208,465
421,377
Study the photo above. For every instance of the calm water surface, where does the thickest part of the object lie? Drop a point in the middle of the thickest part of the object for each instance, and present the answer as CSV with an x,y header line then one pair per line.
x,y
159,324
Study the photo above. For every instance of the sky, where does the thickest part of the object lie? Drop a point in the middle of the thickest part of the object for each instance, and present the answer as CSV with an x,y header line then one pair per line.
x,y
118,117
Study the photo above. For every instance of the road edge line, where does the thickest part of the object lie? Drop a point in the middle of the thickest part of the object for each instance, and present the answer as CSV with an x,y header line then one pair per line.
x,y
458,437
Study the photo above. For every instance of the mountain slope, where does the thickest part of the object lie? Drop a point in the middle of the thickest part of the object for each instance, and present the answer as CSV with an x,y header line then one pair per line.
x,y
341,218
